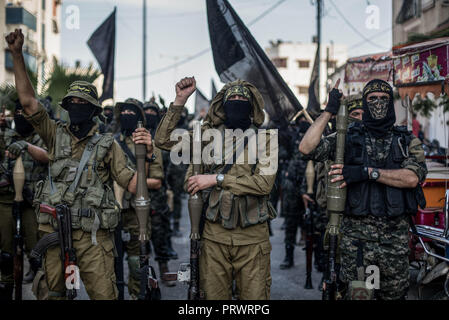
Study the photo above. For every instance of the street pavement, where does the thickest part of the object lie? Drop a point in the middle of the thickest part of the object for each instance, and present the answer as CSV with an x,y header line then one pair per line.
x,y
286,284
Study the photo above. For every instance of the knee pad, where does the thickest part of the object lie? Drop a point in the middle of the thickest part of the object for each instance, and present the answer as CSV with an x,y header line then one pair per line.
x,y
134,267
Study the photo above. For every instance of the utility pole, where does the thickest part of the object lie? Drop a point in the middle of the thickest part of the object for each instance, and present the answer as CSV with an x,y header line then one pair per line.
x,y
318,43
144,64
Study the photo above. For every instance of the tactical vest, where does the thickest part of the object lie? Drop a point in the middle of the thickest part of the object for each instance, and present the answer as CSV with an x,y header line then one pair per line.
x,y
371,197
92,203
232,210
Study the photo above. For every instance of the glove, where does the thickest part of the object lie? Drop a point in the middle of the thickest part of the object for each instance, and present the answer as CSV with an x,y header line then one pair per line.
x,y
334,101
353,174
17,147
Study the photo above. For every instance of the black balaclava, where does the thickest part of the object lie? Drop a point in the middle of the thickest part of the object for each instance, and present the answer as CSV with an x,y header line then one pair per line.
x,y
81,115
23,127
108,113
237,114
128,122
378,115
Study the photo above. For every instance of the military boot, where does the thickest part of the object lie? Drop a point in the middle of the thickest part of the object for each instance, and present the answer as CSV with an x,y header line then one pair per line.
x,y
288,261
176,233
163,268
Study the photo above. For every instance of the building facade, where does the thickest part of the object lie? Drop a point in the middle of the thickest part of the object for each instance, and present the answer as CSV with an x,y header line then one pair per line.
x,y
295,60
40,21
411,17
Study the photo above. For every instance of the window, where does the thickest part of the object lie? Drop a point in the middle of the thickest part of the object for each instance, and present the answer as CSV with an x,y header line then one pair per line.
x,y
408,11
303,90
43,4
280,62
303,64
17,15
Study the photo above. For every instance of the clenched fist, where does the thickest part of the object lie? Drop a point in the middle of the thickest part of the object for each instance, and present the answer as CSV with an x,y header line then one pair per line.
x,y
184,89
15,41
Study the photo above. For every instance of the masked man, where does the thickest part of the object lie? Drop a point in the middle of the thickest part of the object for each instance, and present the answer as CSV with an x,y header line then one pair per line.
x,y
161,224
85,190
235,239
25,142
293,205
383,166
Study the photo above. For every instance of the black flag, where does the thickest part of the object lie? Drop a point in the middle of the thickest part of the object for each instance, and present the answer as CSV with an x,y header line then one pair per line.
x,y
102,45
237,55
213,90
201,102
313,105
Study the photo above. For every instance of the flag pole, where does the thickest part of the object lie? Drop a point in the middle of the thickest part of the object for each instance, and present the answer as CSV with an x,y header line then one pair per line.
x,y
144,62
318,40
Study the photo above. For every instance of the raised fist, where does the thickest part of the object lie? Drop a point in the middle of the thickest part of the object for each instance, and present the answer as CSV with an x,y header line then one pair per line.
x,y
15,41
184,89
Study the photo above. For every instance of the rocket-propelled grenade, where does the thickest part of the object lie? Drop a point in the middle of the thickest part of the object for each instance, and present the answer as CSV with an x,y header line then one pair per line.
x,y
142,200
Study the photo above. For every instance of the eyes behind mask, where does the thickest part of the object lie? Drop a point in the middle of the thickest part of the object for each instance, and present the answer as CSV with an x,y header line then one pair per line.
x,y
237,114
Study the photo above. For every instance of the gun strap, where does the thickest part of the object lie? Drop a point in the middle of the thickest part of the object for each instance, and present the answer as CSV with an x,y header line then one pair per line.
x,y
125,148
236,155
84,159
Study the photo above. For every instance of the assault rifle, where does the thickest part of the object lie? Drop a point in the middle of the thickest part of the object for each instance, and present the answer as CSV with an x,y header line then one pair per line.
x,y
63,237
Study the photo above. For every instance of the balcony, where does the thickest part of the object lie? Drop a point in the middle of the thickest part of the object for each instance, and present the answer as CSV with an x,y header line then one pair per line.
x,y
30,61
18,15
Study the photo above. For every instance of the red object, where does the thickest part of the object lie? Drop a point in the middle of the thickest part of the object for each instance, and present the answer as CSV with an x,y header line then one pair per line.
x,y
432,217
415,127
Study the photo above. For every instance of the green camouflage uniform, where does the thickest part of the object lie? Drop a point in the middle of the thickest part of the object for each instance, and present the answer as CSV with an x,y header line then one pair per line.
x,y
384,240
34,171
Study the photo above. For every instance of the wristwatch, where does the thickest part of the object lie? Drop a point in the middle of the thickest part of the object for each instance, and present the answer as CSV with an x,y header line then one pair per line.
x,y
220,178
149,160
375,174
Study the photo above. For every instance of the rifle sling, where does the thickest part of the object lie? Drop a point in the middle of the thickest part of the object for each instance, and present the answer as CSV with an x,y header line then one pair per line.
x,y
125,148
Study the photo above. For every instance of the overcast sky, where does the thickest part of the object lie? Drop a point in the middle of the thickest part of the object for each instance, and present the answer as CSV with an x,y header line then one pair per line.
x,y
177,29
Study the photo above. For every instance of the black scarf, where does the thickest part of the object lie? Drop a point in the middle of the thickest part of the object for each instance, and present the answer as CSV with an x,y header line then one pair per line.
x,y
237,114
80,118
128,122
378,128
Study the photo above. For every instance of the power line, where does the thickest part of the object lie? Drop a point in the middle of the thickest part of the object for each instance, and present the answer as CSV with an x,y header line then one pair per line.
x,y
200,53
354,28
358,44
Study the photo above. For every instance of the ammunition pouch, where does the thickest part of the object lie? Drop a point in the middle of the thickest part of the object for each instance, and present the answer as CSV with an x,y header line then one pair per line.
x,y
229,209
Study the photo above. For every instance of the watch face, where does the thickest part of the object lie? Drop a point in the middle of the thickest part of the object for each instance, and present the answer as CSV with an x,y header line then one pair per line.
x,y
375,174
